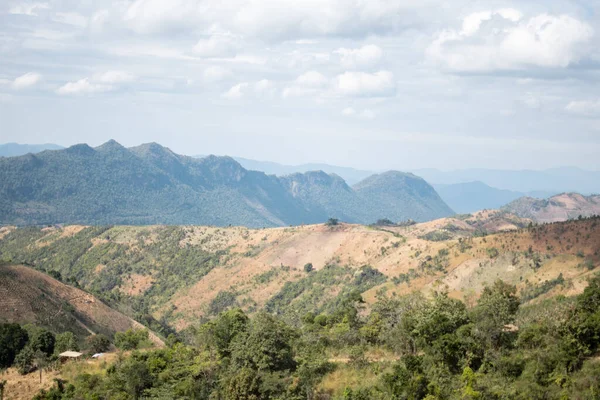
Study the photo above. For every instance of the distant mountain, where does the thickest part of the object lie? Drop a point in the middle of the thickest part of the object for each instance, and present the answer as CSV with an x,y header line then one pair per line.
x,y
150,184
350,175
465,198
16,149
555,180
557,208
394,190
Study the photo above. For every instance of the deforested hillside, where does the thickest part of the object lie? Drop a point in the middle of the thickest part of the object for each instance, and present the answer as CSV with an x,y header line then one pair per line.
x,y
557,208
150,184
28,296
179,275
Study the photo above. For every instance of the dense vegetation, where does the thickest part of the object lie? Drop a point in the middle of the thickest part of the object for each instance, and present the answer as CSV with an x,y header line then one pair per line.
x,y
436,348
150,184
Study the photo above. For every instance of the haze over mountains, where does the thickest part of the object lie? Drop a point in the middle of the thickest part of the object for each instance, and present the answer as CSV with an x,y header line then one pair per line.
x,y
464,191
149,184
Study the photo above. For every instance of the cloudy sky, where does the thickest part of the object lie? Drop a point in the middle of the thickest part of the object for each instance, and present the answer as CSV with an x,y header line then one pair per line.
x,y
372,84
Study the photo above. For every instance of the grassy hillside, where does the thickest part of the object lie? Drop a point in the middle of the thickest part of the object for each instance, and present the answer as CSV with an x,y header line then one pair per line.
x,y
178,275
28,296
150,184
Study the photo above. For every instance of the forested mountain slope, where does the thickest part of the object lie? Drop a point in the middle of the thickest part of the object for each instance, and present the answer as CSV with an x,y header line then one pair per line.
x,y
150,184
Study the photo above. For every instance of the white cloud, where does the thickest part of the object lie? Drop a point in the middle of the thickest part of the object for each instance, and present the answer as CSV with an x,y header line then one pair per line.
x,y
215,73
312,79
363,57
348,111
283,19
83,86
31,9
503,40
71,18
364,114
236,92
378,84
28,80
114,77
264,87
368,114
218,45
532,101
589,108
98,20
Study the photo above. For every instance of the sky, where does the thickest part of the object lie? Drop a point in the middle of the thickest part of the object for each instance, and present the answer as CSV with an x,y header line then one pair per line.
x,y
371,84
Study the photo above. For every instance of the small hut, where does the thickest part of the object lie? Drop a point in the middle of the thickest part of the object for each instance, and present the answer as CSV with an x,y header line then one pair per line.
x,y
70,355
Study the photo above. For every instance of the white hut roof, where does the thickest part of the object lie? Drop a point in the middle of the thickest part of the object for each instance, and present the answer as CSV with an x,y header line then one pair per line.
x,y
70,354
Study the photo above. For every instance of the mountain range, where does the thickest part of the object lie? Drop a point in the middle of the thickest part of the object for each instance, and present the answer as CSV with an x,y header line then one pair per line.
x,y
149,184
464,191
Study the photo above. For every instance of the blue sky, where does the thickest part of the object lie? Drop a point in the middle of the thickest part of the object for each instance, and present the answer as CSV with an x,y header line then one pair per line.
x,y
375,84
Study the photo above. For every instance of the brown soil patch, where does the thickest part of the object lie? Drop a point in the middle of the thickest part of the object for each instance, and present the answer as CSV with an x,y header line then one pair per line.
x,y
136,284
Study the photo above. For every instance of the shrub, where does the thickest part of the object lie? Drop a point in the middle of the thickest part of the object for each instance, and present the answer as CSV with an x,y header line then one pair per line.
x,y
97,343
131,339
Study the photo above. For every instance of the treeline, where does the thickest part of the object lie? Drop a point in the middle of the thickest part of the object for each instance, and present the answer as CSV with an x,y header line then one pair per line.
x,y
437,348
31,348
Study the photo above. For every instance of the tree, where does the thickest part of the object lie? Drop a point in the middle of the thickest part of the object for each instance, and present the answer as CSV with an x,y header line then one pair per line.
x,y
332,222
41,361
266,346
220,332
308,267
131,339
97,343
12,339
496,308
25,360
2,386
64,342
41,339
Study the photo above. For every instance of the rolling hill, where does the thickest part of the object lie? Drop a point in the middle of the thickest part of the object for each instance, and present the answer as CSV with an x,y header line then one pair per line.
x,y
150,184
30,296
184,274
557,208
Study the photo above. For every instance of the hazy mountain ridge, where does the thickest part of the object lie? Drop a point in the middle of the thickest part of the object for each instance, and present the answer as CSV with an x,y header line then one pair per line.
x,y
469,197
16,149
557,208
556,180
150,184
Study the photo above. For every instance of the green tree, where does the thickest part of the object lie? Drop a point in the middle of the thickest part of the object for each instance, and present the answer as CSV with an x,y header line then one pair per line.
x,y
12,339
131,339
97,343
497,307
266,346
25,360
308,267
41,339
220,332
64,342
41,361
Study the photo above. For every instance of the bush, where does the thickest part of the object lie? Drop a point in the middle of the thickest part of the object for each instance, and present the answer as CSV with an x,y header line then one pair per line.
x,y
97,343
131,339
332,222
308,267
